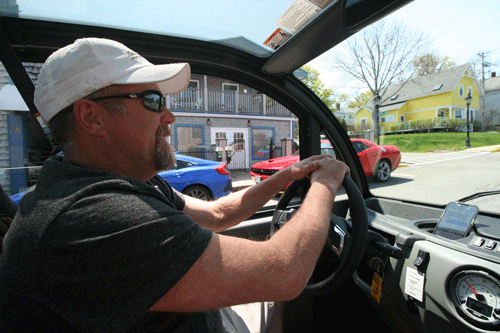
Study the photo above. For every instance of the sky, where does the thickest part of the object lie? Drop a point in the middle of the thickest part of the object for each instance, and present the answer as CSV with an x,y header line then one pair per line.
x,y
461,29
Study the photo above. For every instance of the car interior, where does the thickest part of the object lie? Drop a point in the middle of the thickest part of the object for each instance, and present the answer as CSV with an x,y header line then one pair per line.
x,y
383,267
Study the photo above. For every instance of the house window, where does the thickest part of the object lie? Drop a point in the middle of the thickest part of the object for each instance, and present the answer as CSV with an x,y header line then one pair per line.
x,y
262,138
461,91
188,137
469,90
458,114
443,113
239,142
402,118
387,119
362,122
220,135
229,96
190,98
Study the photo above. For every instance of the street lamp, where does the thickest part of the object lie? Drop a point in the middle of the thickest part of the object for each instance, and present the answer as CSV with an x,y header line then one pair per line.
x,y
376,103
468,99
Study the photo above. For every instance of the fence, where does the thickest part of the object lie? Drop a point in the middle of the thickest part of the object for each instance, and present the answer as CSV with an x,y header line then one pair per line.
x,y
226,101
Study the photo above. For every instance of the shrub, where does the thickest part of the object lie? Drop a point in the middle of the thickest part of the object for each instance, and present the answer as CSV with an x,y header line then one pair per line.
x,y
454,124
423,125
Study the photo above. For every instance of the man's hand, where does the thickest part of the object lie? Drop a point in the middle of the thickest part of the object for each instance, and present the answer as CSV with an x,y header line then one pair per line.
x,y
330,172
322,168
304,168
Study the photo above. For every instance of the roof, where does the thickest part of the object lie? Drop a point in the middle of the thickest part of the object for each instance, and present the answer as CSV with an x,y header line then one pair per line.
x,y
426,85
491,84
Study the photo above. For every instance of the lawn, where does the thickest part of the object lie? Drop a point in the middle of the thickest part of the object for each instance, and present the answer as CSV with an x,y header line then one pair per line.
x,y
443,141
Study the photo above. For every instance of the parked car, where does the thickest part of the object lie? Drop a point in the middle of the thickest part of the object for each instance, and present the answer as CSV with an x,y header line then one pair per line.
x,y
199,178
196,177
377,161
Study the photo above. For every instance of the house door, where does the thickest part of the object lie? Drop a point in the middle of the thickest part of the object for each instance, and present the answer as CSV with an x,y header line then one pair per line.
x,y
230,96
237,140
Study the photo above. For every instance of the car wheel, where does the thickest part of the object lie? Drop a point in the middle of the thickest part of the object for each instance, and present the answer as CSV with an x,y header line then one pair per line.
x,y
197,191
382,171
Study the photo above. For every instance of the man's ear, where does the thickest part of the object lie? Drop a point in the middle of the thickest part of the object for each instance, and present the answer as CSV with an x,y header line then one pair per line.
x,y
88,115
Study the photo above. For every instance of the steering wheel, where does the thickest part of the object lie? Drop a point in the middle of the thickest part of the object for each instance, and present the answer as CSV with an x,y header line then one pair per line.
x,y
347,248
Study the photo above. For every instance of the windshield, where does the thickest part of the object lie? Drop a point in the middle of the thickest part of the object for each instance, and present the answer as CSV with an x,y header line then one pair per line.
x,y
227,22
425,130
424,110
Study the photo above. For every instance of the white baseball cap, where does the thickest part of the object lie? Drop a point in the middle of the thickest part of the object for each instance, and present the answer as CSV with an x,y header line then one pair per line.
x,y
89,64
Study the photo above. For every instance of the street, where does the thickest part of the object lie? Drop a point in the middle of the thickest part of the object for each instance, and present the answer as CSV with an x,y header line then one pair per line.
x,y
439,178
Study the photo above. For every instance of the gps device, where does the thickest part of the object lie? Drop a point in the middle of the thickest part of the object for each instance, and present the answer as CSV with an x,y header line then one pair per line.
x,y
456,221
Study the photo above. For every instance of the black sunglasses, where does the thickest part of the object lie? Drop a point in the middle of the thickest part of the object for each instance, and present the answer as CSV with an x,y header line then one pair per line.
x,y
153,100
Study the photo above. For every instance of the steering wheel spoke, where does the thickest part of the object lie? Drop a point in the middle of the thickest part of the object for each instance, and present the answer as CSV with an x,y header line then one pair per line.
x,y
345,242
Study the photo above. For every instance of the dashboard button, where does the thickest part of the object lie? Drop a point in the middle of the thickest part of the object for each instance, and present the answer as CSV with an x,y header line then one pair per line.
x,y
478,242
490,245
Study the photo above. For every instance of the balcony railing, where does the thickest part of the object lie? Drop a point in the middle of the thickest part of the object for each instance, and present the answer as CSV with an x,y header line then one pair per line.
x,y
226,102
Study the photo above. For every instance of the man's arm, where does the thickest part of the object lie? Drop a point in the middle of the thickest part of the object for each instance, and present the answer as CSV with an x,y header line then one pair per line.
x,y
238,206
235,271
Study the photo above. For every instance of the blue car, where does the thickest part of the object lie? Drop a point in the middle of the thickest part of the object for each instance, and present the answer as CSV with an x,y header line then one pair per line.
x,y
196,177
199,178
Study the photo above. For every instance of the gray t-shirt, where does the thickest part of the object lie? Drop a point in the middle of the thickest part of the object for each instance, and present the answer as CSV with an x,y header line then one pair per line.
x,y
92,251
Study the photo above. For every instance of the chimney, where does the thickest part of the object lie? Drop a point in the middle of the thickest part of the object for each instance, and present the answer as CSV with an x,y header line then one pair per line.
x,y
493,74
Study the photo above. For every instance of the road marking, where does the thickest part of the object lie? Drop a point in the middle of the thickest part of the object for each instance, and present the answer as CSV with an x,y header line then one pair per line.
x,y
429,159
403,175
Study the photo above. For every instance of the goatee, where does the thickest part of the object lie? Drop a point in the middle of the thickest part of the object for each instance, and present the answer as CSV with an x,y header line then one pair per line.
x,y
165,154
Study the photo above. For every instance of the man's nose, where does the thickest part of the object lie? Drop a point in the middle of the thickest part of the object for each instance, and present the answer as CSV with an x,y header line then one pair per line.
x,y
167,117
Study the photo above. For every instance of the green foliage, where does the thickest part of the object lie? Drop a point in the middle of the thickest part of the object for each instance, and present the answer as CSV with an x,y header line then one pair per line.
x,y
454,124
431,63
343,124
442,141
327,95
361,99
436,124
426,125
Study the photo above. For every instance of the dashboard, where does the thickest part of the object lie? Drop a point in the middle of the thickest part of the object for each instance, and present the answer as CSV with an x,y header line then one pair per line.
x,y
453,285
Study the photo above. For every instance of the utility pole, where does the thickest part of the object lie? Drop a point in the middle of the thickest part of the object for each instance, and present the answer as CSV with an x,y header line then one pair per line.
x,y
481,101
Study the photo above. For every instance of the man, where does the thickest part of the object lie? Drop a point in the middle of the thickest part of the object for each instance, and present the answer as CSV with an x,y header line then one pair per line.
x,y
102,244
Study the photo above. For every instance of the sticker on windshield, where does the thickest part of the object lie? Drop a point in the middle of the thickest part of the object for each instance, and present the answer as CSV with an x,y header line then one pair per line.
x,y
278,38
323,3
298,15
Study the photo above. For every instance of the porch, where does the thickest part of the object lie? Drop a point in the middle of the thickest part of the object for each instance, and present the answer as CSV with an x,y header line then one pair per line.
x,y
225,102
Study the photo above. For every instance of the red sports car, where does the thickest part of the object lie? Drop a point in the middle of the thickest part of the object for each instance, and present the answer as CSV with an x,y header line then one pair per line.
x,y
377,161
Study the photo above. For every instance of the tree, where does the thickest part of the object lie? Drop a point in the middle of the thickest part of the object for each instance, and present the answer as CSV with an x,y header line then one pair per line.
x,y
381,54
327,95
431,63
360,99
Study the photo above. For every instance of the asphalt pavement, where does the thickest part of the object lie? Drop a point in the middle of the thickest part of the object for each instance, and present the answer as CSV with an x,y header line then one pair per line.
x,y
242,179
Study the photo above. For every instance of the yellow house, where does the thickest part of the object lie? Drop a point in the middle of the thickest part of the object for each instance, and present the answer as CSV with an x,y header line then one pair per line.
x,y
426,101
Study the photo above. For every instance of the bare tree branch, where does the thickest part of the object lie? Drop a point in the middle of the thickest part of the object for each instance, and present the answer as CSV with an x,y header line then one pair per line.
x,y
381,55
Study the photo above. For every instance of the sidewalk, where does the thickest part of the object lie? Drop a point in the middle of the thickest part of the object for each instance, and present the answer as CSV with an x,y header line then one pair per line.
x,y
493,149
241,179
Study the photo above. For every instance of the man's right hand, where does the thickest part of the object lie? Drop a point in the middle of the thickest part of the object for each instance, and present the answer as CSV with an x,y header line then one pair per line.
x,y
329,172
